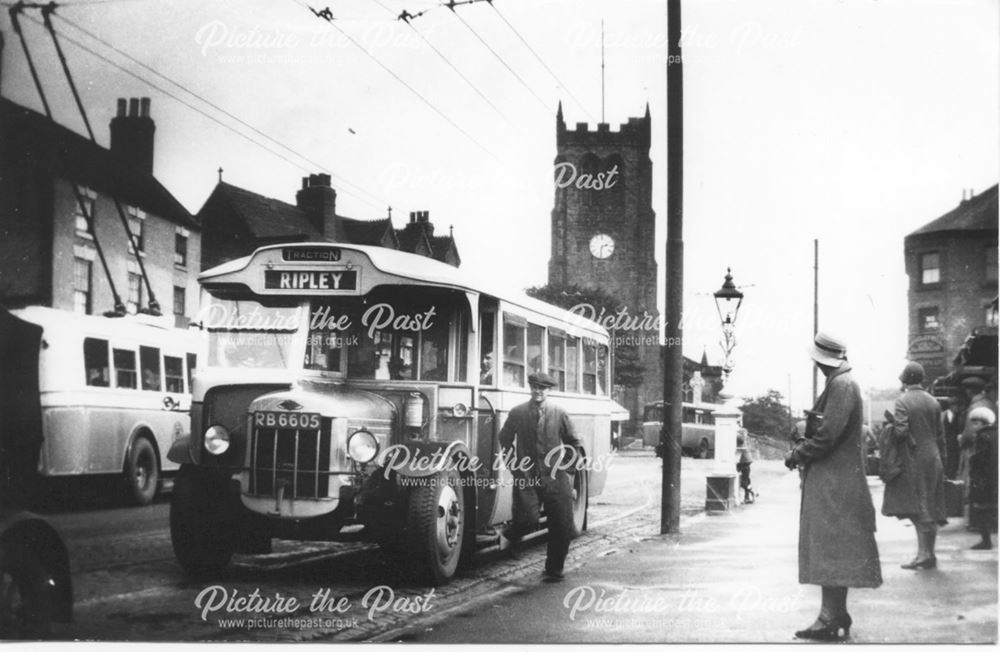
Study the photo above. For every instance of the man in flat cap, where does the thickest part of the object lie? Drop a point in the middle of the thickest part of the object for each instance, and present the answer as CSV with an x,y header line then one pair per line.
x,y
546,443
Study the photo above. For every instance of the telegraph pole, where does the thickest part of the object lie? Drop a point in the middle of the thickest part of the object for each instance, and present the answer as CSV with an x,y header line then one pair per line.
x,y
815,309
673,360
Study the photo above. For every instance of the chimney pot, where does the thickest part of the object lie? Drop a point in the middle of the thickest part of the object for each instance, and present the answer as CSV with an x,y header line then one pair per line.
x,y
305,182
413,216
144,107
324,180
121,107
133,107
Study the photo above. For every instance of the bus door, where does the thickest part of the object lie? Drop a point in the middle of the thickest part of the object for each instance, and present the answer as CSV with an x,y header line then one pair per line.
x,y
487,446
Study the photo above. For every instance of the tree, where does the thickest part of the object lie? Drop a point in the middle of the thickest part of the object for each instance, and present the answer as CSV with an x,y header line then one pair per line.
x,y
627,369
766,415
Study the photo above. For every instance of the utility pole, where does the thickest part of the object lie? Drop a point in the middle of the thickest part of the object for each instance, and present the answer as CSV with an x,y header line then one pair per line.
x,y
815,309
673,360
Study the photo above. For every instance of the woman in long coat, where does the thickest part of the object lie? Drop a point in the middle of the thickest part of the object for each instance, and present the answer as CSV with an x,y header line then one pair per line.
x,y
917,491
837,547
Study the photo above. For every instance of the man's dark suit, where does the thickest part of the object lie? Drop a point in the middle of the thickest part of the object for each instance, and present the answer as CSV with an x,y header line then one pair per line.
x,y
537,431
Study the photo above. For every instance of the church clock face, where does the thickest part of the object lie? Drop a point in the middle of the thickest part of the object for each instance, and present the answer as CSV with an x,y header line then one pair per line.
x,y
602,245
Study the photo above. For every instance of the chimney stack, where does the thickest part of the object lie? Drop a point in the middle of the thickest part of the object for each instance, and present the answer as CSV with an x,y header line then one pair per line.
x,y
132,134
319,202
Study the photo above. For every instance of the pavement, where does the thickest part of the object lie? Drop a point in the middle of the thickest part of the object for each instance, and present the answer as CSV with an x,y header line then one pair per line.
x,y
730,578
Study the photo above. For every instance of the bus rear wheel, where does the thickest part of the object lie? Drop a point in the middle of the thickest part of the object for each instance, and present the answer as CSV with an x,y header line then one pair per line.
x,y
202,540
142,472
436,525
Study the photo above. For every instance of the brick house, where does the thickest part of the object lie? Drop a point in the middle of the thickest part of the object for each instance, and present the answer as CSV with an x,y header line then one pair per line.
x,y
952,267
49,257
236,221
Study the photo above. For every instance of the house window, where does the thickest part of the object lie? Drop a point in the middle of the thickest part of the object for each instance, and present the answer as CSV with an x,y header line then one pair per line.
x,y
134,292
88,198
82,273
991,264
930,268
181,247
928,320
179,301
136,219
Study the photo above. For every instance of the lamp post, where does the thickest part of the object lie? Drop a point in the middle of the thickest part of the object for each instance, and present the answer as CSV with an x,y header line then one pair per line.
x,y
728,301
722,485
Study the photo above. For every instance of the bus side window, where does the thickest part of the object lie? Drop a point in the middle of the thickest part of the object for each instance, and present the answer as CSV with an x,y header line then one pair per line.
x,y
95,362
173,370
149,361
514,331
192,361
487,356
125,368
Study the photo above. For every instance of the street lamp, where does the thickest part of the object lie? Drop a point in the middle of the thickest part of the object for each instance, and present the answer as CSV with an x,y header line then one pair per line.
x,y
728,301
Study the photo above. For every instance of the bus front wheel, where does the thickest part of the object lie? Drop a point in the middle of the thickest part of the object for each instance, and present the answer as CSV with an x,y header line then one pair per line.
x,y
203,543
436,525
142,471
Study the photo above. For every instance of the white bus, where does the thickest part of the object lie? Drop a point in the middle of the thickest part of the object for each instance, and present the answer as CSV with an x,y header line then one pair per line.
x,y
355,392
114,393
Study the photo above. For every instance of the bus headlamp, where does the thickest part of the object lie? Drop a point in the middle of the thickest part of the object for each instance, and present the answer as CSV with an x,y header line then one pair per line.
x,y
459,410
216,440
362,446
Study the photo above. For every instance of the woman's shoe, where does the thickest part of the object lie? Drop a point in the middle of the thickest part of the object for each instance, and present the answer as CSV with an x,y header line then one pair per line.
x,y
837,629
983,545
917,564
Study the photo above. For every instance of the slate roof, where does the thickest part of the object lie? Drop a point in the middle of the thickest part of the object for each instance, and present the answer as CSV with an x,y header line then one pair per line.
x,y
976,214
266,217
31,139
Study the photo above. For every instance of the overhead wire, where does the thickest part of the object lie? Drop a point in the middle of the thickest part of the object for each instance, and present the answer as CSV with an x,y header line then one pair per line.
x,y
152,304
316,165
442,114
119,307
540,60
501,60
448,61
197,109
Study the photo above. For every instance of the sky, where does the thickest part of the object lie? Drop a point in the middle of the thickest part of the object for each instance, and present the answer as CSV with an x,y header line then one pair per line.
x,y
850,122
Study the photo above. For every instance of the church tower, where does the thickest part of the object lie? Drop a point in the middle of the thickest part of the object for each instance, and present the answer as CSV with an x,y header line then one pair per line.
x,y
603,228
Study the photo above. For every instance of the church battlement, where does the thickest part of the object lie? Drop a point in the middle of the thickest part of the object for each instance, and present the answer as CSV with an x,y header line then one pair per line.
x,y
635,132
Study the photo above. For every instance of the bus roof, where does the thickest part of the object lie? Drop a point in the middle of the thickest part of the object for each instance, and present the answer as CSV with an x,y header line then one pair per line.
x,y
410,269
145,327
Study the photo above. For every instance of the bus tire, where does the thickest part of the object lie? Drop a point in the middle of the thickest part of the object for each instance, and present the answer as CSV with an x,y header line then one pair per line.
x,y
436,525
581,486
26,600
703,449
142,471
202,541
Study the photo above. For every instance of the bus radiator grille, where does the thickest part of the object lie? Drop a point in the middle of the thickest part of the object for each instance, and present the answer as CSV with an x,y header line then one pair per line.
x,y
298,460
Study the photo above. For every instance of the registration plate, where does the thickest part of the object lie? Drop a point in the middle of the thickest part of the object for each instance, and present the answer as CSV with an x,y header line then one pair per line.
x,y
296,420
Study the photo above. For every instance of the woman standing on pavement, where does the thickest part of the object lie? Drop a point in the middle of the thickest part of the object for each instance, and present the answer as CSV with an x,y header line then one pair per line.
x,y
837,547
917,491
